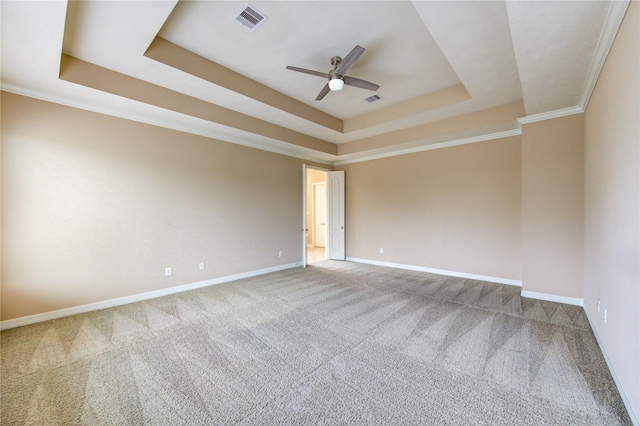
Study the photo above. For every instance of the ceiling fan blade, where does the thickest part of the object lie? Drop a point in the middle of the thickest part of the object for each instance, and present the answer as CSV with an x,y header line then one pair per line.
x,y
323,92
306,71
349,60
356,82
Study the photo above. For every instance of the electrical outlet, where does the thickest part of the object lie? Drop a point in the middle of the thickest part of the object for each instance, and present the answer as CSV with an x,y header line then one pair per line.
x,y
381,250
280,253
201,266
598,305
605,316
167,271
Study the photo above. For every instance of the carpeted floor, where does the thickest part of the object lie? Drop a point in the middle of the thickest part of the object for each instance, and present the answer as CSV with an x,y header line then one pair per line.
x,y
337,343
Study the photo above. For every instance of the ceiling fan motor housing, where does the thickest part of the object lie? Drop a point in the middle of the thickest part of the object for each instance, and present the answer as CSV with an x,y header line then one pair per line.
x,y
336,82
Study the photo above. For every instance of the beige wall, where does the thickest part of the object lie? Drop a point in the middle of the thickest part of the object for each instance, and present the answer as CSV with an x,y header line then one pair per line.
x,y
612,206
95,207
552,206
456,209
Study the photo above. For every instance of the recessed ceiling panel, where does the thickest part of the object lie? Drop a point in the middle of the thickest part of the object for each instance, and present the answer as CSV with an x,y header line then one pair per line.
x,y
475,38
401,56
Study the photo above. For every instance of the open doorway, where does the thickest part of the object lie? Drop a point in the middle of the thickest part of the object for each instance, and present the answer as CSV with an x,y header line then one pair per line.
x,y
323,222
316,203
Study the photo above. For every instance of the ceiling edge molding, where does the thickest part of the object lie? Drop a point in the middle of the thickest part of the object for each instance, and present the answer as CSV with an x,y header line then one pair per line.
x,y
441,128
287,150
290,151
456,142
612,23
558,113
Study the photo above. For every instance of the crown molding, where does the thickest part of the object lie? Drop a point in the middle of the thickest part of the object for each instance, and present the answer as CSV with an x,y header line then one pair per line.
x,y
558,113
455,142
292,151
614,18
609,31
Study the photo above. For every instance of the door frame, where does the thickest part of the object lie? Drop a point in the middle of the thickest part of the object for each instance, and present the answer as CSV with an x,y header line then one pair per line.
x,y
305,225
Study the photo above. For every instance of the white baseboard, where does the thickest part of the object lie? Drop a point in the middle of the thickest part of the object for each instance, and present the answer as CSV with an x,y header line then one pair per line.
x,y
635,416
552,298
439,271
46,316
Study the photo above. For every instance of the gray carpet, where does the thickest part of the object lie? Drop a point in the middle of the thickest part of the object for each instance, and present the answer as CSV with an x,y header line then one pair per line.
x,y
337,343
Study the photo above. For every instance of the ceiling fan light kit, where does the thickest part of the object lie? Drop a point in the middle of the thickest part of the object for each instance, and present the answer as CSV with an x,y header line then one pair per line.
x,y
337,76
336,83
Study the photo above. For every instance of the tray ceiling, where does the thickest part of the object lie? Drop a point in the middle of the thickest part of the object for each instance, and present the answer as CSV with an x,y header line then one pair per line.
x,y
447,70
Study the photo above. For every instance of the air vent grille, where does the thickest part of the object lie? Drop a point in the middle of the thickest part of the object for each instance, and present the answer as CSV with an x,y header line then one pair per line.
x,y
373,98
250,17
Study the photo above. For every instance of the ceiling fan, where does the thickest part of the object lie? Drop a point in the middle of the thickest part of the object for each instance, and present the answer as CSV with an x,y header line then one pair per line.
x,y
337,77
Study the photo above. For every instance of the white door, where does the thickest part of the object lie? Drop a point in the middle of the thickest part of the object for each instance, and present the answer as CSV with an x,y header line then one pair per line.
x,y
319,214
335,215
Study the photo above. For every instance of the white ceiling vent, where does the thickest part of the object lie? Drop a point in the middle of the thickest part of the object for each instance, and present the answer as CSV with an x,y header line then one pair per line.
x,y
250,17
373,98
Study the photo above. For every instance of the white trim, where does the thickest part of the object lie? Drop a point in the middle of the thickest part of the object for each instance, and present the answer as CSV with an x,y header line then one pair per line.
x,y
635,417
497,280
558,113
287,149
552,298
46,316
456,142
612,22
